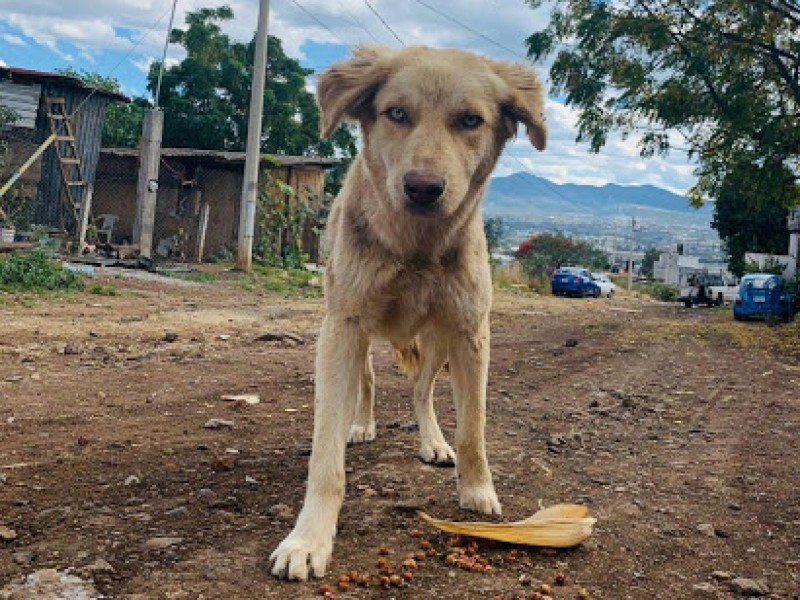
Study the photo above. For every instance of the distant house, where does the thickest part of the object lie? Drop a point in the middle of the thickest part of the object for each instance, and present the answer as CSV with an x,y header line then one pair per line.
x,y
193,183
32,96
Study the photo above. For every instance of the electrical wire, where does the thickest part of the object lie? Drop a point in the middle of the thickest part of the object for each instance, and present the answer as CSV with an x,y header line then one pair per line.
x,y
470,29
123,59
320,23
385,24
356,21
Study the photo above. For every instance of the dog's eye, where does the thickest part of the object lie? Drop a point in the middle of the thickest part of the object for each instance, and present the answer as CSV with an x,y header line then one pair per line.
x,y
398,115
470,121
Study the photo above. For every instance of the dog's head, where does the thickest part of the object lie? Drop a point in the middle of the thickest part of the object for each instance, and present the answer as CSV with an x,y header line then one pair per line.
x,y
433,121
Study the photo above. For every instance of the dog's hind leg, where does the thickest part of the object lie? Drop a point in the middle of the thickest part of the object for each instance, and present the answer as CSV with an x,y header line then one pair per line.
x,y
469,372
341,354
363,427
433,447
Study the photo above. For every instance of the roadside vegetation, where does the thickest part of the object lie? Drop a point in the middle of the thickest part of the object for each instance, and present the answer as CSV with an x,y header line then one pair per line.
x,y
36,272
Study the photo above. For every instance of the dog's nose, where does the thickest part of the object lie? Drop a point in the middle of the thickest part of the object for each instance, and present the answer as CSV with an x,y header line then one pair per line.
x,y
423,189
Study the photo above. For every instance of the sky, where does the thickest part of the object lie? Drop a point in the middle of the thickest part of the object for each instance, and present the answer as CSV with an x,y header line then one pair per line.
x,y
120,38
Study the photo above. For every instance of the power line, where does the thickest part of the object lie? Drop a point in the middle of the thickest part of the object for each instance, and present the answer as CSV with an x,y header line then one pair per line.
x,y
356,21
121,60
470,29
385,24
320,23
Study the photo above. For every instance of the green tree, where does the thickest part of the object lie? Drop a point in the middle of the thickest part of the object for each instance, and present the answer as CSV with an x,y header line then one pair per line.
x,y
122,127
543,253
648,262
722,74
7,117
206,97
494,228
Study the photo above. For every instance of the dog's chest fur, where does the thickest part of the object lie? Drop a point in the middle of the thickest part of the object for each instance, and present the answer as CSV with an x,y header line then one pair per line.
x,y
395,298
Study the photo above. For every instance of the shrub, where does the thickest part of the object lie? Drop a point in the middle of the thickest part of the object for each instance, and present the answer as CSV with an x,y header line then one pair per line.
x,y
665,292
35,271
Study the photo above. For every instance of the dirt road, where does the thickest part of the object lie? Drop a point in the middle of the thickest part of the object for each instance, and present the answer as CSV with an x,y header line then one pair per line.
x,y
678,428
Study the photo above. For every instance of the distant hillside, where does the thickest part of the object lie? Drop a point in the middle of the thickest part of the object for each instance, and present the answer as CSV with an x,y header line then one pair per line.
x,y
526,195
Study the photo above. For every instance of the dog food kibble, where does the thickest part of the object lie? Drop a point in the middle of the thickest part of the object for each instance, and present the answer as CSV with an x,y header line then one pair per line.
x,y
560,579
324,589
545,588
408,576
583,594
384,551
396,580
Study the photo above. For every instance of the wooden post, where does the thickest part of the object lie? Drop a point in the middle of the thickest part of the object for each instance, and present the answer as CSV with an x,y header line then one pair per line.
x,y
147,185
201,231
86,210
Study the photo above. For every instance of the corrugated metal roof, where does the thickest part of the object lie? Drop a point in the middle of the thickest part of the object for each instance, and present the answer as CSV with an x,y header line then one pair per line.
x,y
28,75
23,100
228,157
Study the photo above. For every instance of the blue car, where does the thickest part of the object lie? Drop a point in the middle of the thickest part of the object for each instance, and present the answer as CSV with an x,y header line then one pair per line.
x,y
574,281
762,295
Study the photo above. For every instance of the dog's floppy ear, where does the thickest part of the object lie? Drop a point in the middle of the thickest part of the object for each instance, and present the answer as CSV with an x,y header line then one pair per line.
x,y
346,89
525,100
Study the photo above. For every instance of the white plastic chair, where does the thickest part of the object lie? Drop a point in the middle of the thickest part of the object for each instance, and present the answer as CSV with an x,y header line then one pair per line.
x,y
105,227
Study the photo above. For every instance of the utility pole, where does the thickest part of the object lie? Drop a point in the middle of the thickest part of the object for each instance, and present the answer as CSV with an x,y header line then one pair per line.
x,y
247,206
147,184
630,254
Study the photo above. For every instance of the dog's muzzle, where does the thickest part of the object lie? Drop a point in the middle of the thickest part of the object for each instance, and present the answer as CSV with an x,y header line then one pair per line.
x,y
423,191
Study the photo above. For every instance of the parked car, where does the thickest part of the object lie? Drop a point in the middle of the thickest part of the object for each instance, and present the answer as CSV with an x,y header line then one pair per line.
x,y
711,289
762,295
574,281
607,287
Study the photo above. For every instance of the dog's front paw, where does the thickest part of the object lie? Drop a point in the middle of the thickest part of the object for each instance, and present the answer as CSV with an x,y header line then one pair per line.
x,y
482,499
361,433
437,453
300,557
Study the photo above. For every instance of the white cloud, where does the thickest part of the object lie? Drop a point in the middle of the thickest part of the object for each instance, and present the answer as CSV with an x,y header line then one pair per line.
x,y
138,27
3,63
12,39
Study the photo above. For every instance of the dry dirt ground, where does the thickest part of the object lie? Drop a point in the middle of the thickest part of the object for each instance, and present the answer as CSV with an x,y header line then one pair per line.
x,y
677,428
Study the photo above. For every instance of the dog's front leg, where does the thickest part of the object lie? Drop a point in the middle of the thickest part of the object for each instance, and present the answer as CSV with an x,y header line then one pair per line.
x,y
469,369
341,354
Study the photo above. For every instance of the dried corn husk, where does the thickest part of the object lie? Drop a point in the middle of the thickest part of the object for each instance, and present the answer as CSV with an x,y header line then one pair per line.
x,y
558,526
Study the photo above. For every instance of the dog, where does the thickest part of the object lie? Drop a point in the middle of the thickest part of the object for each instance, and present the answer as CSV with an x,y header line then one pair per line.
x,y
408,263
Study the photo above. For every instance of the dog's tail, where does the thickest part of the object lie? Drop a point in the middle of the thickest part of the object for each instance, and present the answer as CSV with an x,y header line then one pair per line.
x,y
408,358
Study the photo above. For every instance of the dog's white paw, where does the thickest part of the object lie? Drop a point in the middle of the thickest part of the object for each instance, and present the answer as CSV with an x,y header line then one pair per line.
x,y
299,557
360,433
482,499
437,453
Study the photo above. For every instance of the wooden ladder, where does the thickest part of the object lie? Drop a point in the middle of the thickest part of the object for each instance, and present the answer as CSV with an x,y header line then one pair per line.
x,y
68,159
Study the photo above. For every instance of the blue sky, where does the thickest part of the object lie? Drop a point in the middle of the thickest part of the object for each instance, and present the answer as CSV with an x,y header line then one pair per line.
x,y
121,37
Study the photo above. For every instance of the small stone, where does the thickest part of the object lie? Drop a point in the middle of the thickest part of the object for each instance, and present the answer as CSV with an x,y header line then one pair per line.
x,y
721,575
705,588
170,337
132,480
749,587
282,511
161,543
250,480
245,398
72,348
7,534
707,529
571,343
218,424
98,566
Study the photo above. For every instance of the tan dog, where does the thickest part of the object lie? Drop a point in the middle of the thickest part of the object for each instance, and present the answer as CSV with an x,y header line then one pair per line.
x,y
408,263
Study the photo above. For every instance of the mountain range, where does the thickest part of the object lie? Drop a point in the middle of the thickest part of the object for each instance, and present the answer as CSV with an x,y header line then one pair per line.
x,y
524,195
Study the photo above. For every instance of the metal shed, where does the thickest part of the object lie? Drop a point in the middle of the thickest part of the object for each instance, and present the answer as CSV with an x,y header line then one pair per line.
x,y
28,93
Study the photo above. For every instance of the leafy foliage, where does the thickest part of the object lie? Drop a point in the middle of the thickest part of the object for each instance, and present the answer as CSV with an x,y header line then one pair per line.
x,y
35,271
721,74
543,253
284,215
206,96
651,256
494,228
665,292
